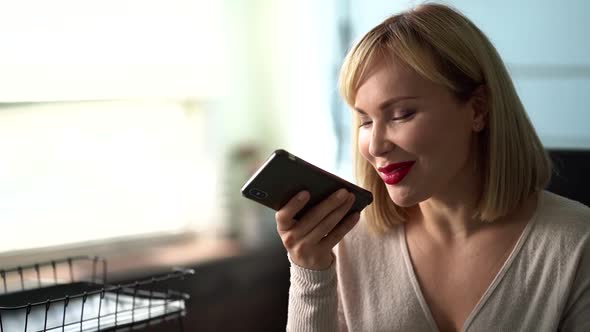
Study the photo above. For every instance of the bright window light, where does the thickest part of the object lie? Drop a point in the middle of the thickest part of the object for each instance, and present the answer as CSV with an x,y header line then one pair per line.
x,y
97,139
80,172
94,49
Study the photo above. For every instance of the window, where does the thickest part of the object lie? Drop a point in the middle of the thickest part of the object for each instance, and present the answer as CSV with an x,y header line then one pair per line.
x,y
101,118
72,172
118,116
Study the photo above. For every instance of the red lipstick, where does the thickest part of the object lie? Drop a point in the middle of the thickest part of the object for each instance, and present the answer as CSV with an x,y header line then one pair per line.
x,y
394,173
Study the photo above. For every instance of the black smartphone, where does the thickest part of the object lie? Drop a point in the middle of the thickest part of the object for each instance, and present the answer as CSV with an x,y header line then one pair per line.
x,y
283,175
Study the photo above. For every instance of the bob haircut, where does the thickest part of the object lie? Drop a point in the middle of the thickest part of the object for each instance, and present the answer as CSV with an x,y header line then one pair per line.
x,y
445,47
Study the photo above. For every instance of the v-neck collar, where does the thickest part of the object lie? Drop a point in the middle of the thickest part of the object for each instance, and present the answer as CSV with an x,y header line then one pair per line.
x,y
493,285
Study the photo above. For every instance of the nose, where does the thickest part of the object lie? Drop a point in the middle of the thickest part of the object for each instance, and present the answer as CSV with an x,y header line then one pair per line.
x,y
380,144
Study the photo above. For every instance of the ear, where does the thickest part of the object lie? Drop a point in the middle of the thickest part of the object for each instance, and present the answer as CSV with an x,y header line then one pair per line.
x,y
479,106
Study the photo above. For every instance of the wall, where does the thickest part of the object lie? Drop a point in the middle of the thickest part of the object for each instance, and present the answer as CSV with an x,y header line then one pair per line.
x,y
280,77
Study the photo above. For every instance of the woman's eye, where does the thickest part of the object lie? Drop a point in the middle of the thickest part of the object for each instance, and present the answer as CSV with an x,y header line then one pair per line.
x,y
365,123
403,115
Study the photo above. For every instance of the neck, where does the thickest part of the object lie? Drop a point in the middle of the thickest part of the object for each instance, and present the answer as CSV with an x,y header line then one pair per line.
x,y
448,216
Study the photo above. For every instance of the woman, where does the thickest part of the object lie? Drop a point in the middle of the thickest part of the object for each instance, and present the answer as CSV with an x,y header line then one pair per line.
x,y
461,235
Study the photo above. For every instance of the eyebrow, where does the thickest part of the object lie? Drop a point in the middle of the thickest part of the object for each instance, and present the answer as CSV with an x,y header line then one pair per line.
x,y
388,103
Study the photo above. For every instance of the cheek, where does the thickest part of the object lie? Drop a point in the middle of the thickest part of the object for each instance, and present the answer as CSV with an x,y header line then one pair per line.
x,y
418,138
427,141
443,144
363,142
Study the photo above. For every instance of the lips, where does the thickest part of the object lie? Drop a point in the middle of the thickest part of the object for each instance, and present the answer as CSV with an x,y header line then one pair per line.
x,y
395,173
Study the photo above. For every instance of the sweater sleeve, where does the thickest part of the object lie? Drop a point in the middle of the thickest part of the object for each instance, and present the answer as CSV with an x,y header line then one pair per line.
x,y
313,300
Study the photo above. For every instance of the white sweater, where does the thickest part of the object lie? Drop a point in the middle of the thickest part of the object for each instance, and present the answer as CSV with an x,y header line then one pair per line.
x,y
544,285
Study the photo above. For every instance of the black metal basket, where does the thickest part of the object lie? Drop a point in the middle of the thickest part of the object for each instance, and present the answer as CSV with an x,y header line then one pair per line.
x,y
86,302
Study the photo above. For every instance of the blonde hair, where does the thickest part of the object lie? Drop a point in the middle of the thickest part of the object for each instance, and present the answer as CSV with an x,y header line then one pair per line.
x,y
445,47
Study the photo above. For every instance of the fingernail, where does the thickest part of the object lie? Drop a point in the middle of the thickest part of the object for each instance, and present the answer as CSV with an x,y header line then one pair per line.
x,y
302,196
341,193
351,197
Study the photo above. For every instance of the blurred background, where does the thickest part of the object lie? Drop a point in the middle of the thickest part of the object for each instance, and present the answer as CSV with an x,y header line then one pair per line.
x,y
127,127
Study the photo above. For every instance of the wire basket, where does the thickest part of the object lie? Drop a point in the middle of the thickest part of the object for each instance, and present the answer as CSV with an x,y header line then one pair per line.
x,y
63,295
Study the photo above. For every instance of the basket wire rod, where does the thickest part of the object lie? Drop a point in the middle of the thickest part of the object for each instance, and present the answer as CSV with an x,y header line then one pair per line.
x,y
63,323
180,322
94,262
22,279
28,311
95,268
1,327
117,303
102,291
38,275
104,271
133,303
54,271
82,311
3,275
180,318
57,261
166,297
47,304
71,269
150,298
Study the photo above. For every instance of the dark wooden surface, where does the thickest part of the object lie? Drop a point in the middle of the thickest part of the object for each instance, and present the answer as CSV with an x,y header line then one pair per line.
x,y
243,293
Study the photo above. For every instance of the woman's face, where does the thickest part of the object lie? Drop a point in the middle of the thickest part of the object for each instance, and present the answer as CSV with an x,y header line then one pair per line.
x,y
415,133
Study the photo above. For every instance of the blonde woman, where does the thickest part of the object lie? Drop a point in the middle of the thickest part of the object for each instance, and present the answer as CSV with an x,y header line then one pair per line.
x,y
462,235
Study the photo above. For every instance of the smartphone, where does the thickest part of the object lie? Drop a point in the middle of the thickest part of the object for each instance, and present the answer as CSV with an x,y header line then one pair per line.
x,y
283,175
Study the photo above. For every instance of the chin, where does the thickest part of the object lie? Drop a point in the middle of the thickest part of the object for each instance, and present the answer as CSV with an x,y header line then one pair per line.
x,y
402,197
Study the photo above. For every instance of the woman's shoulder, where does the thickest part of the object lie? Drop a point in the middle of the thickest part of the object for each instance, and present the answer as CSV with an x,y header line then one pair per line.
x,y
560,217
569,211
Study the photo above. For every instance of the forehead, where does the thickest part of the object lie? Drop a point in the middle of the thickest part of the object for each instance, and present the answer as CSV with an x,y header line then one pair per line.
x,y
390,79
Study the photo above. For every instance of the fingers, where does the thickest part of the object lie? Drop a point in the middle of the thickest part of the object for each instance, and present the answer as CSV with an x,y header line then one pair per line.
x,y
310,240
340,230
285,215
331,220
318,213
